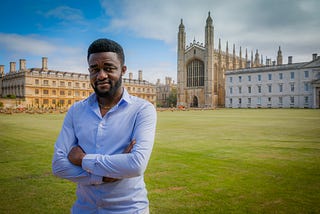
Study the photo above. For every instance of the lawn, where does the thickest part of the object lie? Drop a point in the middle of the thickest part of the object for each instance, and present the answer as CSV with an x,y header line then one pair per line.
x,y
221,161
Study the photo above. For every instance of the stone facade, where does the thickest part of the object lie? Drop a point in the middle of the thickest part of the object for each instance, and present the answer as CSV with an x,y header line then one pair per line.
x,y
201,69
292,85
44,88
163,92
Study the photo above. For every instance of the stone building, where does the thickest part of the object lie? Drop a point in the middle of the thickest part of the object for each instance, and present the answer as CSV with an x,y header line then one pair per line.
x,y
140,87
201,69
164,90
45,88
276,85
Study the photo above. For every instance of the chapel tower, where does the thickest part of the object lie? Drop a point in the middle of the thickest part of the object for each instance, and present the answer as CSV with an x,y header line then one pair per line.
x,y
201,69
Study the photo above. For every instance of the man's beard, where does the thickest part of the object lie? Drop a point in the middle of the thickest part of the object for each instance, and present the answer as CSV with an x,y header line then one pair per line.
x,y
112,90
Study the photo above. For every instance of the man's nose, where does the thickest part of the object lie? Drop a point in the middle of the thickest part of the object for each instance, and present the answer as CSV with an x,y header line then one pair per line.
x,y
102,74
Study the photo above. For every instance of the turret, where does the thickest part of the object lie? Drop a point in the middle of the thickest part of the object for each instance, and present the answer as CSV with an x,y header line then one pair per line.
x,y
209,69
279,57
180,66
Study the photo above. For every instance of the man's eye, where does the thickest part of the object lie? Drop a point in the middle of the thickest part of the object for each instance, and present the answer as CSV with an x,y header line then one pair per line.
x,y
109,69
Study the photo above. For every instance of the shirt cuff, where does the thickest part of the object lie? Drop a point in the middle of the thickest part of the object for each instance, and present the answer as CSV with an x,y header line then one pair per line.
x,y
96,179
88,164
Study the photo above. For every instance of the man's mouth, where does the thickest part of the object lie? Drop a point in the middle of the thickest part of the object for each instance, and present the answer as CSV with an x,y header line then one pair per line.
x,y
103,83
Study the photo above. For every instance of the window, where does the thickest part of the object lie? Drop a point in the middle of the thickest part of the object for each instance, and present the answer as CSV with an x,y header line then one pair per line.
x,y
45,101
280,76
62,83
306,86
306,100
69,84
259,101
54,83
292,100
292,87
240,90
249,100
230,100
249,89
83,85
269,88
61,92
240,101
36,81
269,99
230,90
36,91
280,88
54,92
69,93
292,75
280,100
259,88
259,77
45,82
77,85
45,91
269,76
306,74
195,73
240,78
230,79
249,78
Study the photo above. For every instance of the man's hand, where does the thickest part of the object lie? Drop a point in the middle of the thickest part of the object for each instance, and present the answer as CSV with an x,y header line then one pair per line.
x,y
76,155
130,146
127,150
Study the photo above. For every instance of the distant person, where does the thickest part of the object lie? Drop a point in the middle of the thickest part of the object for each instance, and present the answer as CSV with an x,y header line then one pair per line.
x,y
106,139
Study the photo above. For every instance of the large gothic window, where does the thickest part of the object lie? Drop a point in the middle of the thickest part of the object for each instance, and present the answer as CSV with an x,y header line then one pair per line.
x,y
195,73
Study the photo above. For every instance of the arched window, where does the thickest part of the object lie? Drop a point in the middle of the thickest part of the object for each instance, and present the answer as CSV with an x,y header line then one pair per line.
x,y
195,73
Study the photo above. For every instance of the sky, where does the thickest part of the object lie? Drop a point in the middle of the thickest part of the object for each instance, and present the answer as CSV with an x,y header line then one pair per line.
x,y
62,30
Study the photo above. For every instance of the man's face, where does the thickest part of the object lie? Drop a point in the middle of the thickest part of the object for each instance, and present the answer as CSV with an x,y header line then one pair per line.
x,y
105,73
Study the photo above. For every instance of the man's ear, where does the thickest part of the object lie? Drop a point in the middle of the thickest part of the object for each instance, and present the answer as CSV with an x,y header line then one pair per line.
x,y
123,70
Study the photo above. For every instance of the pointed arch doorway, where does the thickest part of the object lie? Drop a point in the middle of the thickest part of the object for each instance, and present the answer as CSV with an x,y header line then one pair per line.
x,y
195,102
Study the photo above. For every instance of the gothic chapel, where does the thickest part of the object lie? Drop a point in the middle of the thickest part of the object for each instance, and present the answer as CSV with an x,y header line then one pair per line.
x,y
201,69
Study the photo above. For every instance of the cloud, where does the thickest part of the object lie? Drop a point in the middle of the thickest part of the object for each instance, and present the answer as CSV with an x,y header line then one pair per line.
x,y
26,44
255,24
65,13
60,56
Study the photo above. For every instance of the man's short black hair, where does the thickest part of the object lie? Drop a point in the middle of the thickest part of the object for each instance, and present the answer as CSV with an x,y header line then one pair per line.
x,y
106,45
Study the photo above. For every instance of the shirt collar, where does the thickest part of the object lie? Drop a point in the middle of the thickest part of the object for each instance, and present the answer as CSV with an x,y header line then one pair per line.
x,y
126,98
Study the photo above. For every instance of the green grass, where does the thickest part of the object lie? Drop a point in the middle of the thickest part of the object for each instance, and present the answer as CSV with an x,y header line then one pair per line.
x,y
222,161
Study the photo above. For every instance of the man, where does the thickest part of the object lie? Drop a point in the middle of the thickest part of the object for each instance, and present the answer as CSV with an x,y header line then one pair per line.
x,y
106,140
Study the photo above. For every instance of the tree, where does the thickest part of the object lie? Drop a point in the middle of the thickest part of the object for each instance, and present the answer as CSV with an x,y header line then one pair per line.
x,y
172,99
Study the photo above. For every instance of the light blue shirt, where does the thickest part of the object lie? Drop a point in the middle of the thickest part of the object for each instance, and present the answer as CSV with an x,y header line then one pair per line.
x,y
104,139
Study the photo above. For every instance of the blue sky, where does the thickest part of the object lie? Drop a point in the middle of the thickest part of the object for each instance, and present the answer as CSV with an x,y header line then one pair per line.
x,y
147,29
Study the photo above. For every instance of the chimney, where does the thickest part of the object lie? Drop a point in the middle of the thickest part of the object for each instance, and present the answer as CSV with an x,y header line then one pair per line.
x,y
44,63
1,70
12,67
289,60
268,62
248,64
314,56
140,75
22,64
130,76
